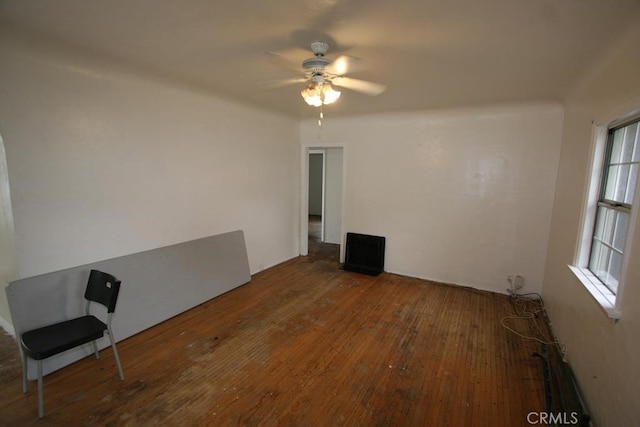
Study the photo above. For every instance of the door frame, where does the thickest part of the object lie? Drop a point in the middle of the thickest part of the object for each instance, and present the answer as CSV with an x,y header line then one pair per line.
x,y
304,194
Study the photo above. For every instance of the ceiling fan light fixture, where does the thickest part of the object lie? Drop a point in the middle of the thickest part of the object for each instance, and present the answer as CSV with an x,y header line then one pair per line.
x,y
330,94
316,94
312,94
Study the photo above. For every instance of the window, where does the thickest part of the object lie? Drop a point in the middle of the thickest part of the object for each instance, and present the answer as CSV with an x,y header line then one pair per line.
x,y
619,177
609,214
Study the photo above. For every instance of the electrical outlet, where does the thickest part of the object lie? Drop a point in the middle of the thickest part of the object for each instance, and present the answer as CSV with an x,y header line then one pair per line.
x,y
518,282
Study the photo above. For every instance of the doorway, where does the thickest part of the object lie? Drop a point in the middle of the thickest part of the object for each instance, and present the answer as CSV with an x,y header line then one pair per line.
x,y
323,213
316,197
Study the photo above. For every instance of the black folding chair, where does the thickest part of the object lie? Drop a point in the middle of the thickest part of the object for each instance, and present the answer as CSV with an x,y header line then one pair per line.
x,y
41,343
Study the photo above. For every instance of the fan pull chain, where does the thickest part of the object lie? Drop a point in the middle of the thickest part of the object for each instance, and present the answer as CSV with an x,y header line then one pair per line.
x,y
321,116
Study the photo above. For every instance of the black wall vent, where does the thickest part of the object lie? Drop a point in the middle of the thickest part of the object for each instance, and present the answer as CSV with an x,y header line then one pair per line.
x,y
364,254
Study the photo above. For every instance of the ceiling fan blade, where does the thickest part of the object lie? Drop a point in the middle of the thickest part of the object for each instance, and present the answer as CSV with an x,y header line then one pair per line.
x,y
346,64
285,62
273,84
369,88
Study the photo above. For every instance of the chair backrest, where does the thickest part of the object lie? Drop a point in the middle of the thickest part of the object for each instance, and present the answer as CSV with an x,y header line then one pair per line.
x,y
103,288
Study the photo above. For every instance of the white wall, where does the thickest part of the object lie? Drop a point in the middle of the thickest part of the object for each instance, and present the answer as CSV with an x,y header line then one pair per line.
x,y
603,354
462,196
316,173
104,163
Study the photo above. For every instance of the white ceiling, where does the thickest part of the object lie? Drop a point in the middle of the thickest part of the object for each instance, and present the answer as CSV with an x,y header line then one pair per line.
x,y
430,53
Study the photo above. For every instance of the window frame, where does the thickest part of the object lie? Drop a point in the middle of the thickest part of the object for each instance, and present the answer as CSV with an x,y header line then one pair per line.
x,y
608,300
612,206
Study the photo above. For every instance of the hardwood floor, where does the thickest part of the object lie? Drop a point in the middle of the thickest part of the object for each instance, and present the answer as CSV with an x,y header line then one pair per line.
x,y
304,344
318,250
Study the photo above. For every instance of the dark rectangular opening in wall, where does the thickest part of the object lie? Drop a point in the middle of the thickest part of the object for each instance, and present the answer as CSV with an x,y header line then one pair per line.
x,y
364,254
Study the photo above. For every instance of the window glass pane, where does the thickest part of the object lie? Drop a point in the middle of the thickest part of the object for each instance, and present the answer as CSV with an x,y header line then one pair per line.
x,y
596,263
629,136
622,224
636,148
616,146
608,244
600,220
631,185
608,222
606,265
611,279
617,179
603,264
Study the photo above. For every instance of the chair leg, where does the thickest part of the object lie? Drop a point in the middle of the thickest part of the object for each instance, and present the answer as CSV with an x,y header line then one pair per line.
x,y
24,372
40,397
95,349
115,353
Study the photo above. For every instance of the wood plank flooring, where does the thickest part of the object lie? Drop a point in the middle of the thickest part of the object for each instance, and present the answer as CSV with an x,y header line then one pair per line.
x,y
304,344
318,250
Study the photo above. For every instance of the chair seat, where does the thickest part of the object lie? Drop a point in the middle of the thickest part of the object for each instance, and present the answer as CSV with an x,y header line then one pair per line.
x,y
47,341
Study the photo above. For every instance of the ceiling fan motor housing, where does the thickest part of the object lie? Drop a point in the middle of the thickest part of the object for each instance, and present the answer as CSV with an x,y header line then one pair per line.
x,y
316,66
319,48
317,63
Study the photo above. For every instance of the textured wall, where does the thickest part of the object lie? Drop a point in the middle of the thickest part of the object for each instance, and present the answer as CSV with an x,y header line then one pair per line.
x,y
462,196
603,354
103,163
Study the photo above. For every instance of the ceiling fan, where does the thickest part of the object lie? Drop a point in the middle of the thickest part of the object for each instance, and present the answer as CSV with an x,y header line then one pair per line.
x,y
321,74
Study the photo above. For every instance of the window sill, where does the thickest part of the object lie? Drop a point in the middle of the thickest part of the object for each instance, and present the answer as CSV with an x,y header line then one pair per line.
x,y
603,296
